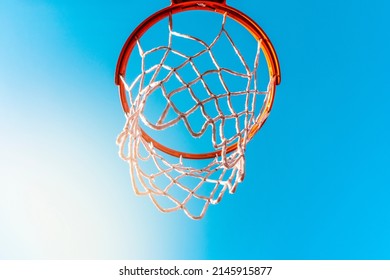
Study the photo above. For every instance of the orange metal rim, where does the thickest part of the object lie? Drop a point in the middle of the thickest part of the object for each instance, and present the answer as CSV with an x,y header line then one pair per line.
x,y
218,6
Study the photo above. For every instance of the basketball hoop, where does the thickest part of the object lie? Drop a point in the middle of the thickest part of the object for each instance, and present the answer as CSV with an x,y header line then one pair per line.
x,y
205,101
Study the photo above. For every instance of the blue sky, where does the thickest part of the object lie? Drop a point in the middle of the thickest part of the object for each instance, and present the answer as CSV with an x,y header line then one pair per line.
x,y
317,179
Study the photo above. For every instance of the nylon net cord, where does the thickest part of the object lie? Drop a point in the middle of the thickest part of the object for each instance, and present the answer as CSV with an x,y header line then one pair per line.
x,y
208,183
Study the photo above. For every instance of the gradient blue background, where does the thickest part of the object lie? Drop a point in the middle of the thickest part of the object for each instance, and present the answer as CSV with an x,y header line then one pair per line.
x,y
318,178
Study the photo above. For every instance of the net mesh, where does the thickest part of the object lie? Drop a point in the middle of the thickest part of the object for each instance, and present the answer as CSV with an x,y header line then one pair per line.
x,y
179,183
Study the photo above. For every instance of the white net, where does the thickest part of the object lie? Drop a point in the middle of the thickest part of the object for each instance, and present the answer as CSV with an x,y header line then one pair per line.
x,y
188,184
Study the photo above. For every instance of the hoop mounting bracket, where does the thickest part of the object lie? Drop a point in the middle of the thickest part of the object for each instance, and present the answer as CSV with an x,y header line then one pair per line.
x,y
174,2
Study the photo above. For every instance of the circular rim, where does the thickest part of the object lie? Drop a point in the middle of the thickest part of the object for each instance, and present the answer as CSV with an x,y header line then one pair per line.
x,y
221,8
